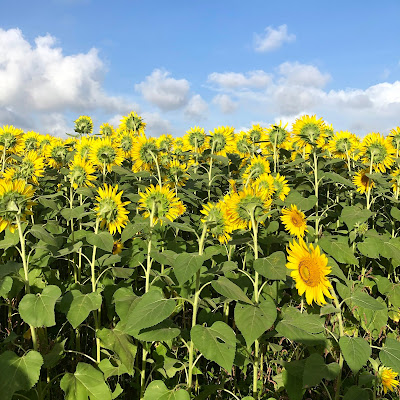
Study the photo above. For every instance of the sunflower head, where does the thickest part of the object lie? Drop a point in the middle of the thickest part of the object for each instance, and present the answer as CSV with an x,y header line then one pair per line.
x,y
217,221
105,154
363,181
256,133
342,144
308,130
10,139
388,379
143,153
277,134
107,130
133,122
195,139
395,180
265,182
29,169
294,221
281,186
177,173
309,269
30,141
394,136
117,247
56,153
378,151
80,172
257,167
165,143
221,140
84,125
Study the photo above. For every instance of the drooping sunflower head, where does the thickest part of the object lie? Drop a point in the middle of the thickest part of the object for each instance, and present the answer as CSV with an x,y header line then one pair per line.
x,y
159,203
308,130
107,130
15,201
309,269
243,145
221,140
388,379
281,186
247,206
257,167
10,139
133,122
294,221
143,153
195,139
265,182
105,154
256,133
165,143
56,153
81,172
29,169
44,142
177,173
30,141
125,140
110,209
363,181
342,144
217,221
84,125
377,150
277,134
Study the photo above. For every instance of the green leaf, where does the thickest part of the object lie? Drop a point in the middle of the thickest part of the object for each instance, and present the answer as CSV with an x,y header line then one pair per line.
x,y
395,213
315,370
121,344
103,240
109,369
9,268
165,330
254,320
352,215
77,305
68,250
158,391
356,351
362,299
10,240
52,358
391,250
38,310
334,177
272,267
5,286
73,213
302,203
40,233
370,247
85,382
131,230
186,265
338,249
390,354
216,343
356,393
18,373
230,290
151,309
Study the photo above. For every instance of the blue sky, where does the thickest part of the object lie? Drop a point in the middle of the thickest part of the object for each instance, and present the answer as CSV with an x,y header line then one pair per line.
x,y
206,63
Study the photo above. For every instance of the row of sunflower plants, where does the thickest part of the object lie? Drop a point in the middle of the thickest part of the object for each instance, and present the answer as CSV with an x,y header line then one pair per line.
x,y
251,265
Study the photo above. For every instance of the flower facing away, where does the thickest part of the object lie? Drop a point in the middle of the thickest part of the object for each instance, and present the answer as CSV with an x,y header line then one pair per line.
x,y
160,202
80,172
195,139
84,125
308,130
277,135
362,181
309,269
217,221
294,221
281,186
110,209
133,122
221,140
378,151
388,379
10,139
15,201
107,130
105,154
144,154
29,169
257,167
56,153
342,144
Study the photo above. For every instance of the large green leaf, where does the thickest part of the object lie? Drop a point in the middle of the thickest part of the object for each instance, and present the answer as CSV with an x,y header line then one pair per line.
x,y
73,213
77,305
18,373
121,344
338,249
216,343
303,203
390,354
315,370
353,215
158,391
86,382
125,301
103,240
364,300
40,233
272,267
230,290
151,309
186,265
165,330
254,320
391,250
5,285
9,268
356,351
38,310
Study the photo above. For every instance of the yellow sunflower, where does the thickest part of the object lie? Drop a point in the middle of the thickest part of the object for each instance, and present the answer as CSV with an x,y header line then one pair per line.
x,y
342,145
125,140
277,135
294,221
257,167
30,168
110,209
107,130
217,221
281,186
394,136
84,125
388,379
44,142
221,140
256,133
117,247
195,140
309,269
143,154
15,201
105,154
133,122
265,182
307,130
395,181
83,147
10,142
80,172
242,145
56,153
160,202
30,141
165,143
377,151
177,173
362,181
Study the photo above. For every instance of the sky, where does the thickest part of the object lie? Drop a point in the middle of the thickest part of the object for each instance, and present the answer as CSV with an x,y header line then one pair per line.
x,y
209,63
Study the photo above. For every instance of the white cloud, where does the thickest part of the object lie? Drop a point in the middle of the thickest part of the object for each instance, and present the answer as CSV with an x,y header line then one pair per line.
x,y
303,75
225,103
156,125
272,39
196,108
233,80
165,92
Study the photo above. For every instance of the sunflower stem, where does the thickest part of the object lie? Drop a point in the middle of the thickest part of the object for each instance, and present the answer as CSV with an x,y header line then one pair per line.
x,y
158,168
316,194
370,183
149,260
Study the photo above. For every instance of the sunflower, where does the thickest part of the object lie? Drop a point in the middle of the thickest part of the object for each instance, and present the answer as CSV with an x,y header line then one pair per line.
x,y
257,167
125,140
282,189
243,145
84,125
30,141
133,122
56,153
179,146
15,201
110,209
30,168
342,144
177,173
394,136
395,180
83,147
221,140
44,143
217,221
247,205
307,130
256,133
10,139
107,130
377,151
105,154
165,143
117,247
362,181
143,154
277,134
310,268
160,202
388,379
80,172
195,140
327,134
265,182
294,221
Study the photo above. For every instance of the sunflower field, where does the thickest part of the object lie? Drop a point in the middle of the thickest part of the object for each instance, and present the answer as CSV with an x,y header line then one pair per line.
x,y
221,265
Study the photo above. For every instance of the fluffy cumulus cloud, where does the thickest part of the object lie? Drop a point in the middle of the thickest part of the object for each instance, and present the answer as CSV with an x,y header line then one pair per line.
x,y
225,103
234,80
167,93
37,79
196,108
272,39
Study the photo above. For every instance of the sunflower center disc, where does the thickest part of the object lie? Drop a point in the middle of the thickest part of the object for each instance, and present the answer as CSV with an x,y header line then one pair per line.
x,y
309,272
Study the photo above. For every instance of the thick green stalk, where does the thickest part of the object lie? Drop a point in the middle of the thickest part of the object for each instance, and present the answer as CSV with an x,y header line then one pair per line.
x,y
369,183
149,260
316,194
